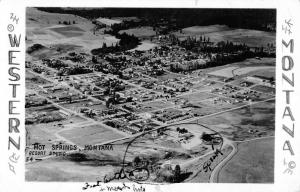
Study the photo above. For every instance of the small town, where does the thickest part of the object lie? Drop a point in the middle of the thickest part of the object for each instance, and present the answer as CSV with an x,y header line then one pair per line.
x,y
171,92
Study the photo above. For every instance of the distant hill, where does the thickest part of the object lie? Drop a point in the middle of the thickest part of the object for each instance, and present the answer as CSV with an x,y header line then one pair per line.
x,y
259,19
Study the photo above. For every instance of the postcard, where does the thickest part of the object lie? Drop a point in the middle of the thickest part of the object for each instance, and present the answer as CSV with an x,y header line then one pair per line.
x,y
139,96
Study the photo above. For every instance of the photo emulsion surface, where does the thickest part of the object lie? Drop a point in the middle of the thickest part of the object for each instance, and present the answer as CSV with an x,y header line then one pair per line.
x,y
150,95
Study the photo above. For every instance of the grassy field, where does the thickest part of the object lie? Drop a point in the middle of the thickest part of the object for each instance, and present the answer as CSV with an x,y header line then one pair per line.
x,y
108,21
45,28
63,170
201,30
144,46
257,120
197,97
217,33
253,163
233,71
32,80
139,32
45,133
93,134
264,89
69,31
252,38
159,104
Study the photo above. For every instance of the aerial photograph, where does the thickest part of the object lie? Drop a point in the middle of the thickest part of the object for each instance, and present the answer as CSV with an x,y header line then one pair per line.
x,y
150,95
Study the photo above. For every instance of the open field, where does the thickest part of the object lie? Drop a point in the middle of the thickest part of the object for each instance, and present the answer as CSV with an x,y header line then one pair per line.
x,y
205,29
160,104
44,28
217,33
65,170
75,106
233,71
202,176
253,163
45,133
144,46
69,31
264,89
108,21
94,134
197,97
257,120
200,30
252,38
32,80
139,32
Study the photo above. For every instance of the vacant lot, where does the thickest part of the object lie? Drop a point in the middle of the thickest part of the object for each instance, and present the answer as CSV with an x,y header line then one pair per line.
x,y
45,133
90,135
32,80
253,163
197,97
264,89
160,104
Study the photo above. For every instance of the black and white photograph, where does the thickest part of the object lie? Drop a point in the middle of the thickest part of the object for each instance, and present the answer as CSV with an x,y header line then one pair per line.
x,y
150,95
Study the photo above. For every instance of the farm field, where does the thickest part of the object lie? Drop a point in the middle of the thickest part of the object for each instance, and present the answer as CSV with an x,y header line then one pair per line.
x,y
253,163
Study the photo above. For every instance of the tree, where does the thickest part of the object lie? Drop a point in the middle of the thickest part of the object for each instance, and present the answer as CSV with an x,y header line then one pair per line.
x,y
104,46
177,172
